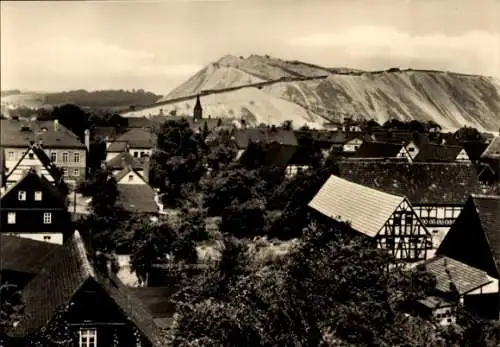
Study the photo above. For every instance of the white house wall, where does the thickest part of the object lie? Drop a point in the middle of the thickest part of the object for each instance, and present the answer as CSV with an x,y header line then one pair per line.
x,y
132,178
352,146
56,238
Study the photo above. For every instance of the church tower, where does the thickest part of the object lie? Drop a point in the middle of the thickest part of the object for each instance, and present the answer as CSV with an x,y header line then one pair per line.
x,y
198,111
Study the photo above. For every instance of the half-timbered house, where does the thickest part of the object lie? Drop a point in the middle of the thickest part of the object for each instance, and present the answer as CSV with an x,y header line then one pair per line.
x,y
35,209
474,240
92,306
386,218
437,191
431,153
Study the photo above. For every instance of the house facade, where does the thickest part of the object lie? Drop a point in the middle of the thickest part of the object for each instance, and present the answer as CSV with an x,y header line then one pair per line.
x,y
139,142
62,146
437,191
352,145
34,209
389,220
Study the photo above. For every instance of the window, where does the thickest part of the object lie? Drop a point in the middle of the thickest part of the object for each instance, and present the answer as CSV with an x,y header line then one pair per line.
x,y
408,218
76,172
12,156
21,195
31,155
53,157
47,218
411,149
38,196
136,154
397,218
11,218
130,177
65,157
88,338
47,238
65,172
76,157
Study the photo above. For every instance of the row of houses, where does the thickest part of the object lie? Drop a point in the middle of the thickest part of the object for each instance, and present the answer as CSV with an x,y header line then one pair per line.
x,y
465,261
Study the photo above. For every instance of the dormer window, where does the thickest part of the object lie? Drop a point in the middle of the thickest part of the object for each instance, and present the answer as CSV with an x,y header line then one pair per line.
x,y
21,195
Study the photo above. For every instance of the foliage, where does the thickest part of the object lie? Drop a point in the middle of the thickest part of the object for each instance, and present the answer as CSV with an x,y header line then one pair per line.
x,y
103,98
468,134
103,190
11,307
73,118
178,160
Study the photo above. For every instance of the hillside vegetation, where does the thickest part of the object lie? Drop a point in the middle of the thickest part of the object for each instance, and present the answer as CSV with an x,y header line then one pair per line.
x,y
449,99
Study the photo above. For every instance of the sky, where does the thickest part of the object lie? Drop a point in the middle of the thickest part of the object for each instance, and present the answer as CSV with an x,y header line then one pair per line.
x,y
156,45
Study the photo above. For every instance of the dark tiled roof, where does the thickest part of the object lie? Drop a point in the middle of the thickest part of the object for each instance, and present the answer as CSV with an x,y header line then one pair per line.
x,y
138,122
137,198
117,146
157,299
138,138
243,137
304,155
464,277
21,133
493,149
61,278
437,153
421,183
24,255
474,149
434,302
378,150
488,210
123,160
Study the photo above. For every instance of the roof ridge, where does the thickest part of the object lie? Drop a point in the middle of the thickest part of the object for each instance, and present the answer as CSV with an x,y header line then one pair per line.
x,y
485,196
82,254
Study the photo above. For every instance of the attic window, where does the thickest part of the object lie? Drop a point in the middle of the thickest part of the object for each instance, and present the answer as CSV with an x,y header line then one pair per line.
x,y
130,177
31,155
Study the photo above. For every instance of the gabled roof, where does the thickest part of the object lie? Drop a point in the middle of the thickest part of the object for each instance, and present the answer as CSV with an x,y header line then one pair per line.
x,y
365,208
43,181
137,138
465,278
43,158
136,198
243,137
124,160
20,133
437,153
117,146
378,150
488,210
61,278
493,149
421,183
24,255
474,149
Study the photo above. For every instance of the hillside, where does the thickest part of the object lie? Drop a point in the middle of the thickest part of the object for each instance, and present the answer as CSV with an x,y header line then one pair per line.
x,y
450,99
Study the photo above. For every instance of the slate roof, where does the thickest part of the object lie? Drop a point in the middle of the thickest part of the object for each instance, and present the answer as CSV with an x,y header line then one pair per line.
x,y
243,137
464,277
24,255
15,133
61,278
437,153
474,149
488,210
421,183
365,208
378,150
136,198
493,149
123,160
136,138
157,300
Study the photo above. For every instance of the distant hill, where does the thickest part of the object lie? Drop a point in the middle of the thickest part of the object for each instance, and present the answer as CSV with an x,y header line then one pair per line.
x,y
93,99
268,90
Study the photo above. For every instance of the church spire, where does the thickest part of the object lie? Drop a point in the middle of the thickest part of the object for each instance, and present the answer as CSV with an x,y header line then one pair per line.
x,y
198,110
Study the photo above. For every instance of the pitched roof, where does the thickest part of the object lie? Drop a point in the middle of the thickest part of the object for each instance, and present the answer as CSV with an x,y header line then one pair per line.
x,y
137,198
437,153
488,210
34,254
465,278
43,181
474,149
243,137
137,138
123,160
61,278
365,208
20,133
378,150
493,149
117,146
44,159
421,183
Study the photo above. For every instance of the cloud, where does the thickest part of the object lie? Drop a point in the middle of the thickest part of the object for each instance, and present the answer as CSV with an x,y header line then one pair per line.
x,y
87,62
465,50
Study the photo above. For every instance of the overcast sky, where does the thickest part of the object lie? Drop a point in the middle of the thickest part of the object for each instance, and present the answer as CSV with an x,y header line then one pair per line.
x,y
156,45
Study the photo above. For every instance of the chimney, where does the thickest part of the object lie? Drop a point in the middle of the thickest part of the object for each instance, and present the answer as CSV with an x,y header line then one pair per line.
x,y
87,139
56,125
40,143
